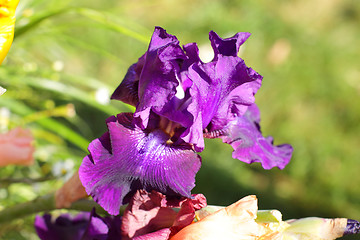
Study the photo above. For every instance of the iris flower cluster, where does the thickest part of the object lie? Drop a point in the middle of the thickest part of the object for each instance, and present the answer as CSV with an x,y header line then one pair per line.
x,y
179,101
149,158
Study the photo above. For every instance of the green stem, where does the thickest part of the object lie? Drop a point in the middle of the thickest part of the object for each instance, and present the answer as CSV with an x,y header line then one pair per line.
x,y
44,204
40,204
8,181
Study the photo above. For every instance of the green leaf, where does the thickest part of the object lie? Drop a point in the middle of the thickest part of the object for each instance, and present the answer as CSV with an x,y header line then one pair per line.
x,y
48,123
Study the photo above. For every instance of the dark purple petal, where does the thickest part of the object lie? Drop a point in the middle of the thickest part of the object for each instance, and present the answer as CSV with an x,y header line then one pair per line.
x,y
221,90
84,226
97,228
243,134
352,227
127,158
127,91
64,227
214,92
159,75
229,46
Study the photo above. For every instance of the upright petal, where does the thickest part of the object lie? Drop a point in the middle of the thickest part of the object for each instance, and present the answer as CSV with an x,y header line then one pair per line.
x,y
126,159
221,90
229,46
159,75
127,91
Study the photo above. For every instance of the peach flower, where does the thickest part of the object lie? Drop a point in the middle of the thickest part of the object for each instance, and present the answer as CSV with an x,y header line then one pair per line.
x,y
235,222
243,221
16,147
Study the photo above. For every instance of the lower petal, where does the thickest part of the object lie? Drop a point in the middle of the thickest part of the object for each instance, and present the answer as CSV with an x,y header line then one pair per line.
x,y
136,160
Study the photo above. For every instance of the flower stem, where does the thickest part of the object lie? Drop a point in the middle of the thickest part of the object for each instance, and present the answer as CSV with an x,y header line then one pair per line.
x,y
43,204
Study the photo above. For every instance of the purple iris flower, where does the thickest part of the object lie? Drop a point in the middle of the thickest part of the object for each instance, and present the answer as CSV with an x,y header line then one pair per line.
x,y
179,100
84,226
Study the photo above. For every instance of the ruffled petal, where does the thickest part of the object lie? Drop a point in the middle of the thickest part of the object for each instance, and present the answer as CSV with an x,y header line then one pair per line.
x,y
159,75
214,92
221,90
126,159
244,135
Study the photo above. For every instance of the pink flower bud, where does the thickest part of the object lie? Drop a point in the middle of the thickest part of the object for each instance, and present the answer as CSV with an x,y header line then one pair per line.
x,y
16,147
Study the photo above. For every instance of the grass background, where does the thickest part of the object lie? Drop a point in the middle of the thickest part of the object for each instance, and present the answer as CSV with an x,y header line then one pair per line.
x,y
66,53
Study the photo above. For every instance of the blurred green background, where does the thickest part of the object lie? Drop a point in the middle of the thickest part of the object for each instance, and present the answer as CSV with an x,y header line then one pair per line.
x,y
68,56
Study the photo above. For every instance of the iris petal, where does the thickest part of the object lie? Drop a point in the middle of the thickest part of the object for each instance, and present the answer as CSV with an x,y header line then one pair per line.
x,y
229,46
221,91
159,75
214,91
127,91
126,159
243,134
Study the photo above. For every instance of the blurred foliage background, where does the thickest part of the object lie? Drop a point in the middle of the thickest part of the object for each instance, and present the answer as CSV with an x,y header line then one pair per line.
x,y
68,57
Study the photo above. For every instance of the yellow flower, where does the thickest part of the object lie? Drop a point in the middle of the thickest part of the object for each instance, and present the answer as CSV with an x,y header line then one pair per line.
x,y
7,24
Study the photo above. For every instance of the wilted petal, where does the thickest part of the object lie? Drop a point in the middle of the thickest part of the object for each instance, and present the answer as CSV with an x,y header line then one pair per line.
x,y
244,135
71,191
126,159
152,215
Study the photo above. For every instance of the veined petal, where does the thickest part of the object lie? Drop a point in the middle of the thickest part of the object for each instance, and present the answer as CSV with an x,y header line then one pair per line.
x,y
126,159
243,134
220,91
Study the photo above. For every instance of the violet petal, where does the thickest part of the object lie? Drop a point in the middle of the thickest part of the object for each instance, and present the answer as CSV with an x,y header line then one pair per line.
x,y
127,91
64,227
159,75
228,46
136,160
244,135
